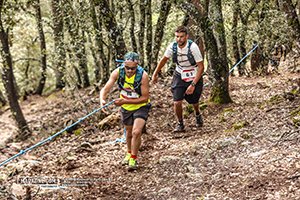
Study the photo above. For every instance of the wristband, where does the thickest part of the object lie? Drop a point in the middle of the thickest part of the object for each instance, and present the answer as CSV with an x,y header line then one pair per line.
x,y
193,84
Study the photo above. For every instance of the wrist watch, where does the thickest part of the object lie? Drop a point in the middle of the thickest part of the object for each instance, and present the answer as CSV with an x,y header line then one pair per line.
x,y
193,84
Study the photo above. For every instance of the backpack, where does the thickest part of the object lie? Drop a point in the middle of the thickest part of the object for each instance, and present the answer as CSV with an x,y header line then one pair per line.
x,y
137,79
189,55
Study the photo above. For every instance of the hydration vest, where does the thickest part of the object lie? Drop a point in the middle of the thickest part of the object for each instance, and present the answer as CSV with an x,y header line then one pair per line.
x,y
137,79
189,55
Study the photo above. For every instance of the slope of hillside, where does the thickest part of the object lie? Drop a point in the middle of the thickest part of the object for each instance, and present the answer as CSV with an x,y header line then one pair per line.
x,y
248,149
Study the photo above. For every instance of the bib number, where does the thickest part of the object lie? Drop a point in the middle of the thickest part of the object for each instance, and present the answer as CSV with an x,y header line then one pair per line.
x,y
129,94
188,74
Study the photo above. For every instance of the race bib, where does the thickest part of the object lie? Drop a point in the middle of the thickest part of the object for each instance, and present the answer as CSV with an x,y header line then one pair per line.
x,y
129,94
188,74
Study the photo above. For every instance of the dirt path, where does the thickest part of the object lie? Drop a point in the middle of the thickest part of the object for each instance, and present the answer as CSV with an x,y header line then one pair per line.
x,y
246,150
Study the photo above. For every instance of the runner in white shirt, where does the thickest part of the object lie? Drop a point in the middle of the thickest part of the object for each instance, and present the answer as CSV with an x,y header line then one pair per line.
x,y
187,80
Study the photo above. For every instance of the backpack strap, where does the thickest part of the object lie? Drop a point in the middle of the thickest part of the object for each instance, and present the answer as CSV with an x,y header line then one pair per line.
x,y
137,79
189,54
121,79
174,49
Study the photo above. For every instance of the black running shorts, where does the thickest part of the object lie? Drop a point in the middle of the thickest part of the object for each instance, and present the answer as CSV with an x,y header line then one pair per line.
x,y
128,117
179,87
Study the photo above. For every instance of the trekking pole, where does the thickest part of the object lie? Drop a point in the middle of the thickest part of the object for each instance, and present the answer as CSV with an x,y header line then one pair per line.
x,y
231,70
55,135
242,59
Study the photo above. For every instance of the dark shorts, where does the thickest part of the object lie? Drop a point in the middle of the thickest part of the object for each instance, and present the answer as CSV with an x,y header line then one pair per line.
x,y
179,87
128,117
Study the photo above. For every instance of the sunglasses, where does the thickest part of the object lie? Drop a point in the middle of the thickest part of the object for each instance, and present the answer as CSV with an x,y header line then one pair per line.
x,y
130,68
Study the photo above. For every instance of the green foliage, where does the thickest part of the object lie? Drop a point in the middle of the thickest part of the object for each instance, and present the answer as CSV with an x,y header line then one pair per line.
x,y
220,96
200,198
295,112
295,91
296,120
226,113
239,125
228,110
295,116
188,109
275,99
203,106
266,24
77,131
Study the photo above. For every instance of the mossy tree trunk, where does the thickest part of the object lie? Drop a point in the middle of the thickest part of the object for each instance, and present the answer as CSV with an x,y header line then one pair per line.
x,y
234,34
262,37
215,43
38,16
141,34
292,18
255,59
76,28
115,33
159,31
148,35
102,68
194,29
60,53
132,26
8,81
244,19
2,99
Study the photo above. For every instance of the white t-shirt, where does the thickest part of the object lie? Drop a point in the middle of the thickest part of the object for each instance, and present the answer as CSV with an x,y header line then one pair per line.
x,y
182,54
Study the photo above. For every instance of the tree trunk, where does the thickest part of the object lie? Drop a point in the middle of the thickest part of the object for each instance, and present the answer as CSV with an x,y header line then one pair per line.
x,y
220,91
194,29
38,16
77,73
75,29
255,59
60,54
263,65
148,36
241,67
291,16
132,25
96,58
234,44
141,34
115,33
213,44
159,31
2,99
8,81
70,80
81,55
103,70
244,19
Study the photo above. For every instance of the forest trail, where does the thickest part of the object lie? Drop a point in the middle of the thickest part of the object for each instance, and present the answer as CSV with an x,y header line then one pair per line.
x,y
248,149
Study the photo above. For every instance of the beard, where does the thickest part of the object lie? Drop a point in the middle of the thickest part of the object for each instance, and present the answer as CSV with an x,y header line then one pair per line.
x,y
181,43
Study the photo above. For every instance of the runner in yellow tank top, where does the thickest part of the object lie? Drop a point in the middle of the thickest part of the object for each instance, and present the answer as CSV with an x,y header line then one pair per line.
x,y
134,100
128,85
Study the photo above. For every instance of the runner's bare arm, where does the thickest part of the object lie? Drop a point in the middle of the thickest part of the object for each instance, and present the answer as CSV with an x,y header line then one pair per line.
x,y
199,72
107,87
160,65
